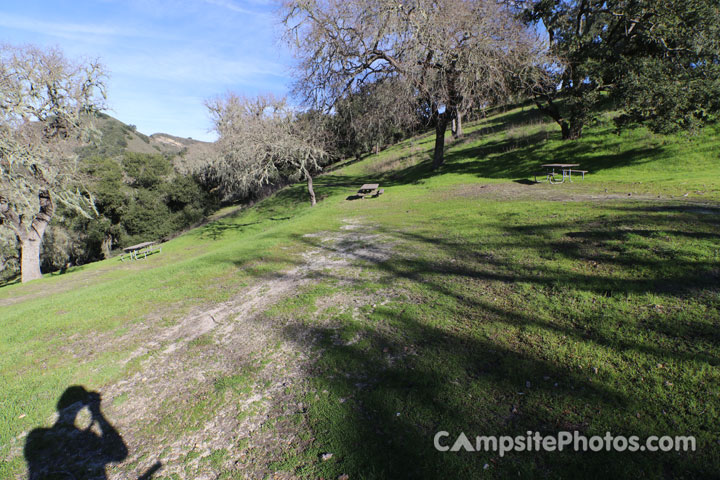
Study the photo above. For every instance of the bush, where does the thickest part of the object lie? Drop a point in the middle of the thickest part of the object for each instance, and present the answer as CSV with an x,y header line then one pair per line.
x,y
139,197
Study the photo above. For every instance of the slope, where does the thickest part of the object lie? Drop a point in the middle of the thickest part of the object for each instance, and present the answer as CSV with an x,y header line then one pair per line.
x,y
464,300
118,137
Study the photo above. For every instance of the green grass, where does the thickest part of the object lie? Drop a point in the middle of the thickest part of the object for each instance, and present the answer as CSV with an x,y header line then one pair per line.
x,y
596,329
508,307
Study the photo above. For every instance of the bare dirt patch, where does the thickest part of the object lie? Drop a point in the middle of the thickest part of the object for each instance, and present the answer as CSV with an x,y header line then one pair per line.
x,y
539,191
215,391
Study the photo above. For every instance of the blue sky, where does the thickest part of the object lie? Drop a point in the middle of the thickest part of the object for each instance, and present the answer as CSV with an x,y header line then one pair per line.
x,y
165,57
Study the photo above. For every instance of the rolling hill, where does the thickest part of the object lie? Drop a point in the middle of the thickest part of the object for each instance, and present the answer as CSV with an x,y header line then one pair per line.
x,y
118,137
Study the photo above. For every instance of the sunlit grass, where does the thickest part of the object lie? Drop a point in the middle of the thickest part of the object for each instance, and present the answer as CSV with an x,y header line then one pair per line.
x,y
606,308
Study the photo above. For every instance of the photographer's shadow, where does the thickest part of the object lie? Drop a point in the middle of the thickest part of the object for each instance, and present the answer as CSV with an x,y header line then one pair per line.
x,y
66,451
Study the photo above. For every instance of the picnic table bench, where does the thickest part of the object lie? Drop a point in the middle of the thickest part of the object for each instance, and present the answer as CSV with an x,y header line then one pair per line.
x,y
565,169
370,189
141,249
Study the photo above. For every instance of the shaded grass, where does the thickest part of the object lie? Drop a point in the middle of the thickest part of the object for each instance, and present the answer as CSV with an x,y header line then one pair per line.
x,y
607,310
507,325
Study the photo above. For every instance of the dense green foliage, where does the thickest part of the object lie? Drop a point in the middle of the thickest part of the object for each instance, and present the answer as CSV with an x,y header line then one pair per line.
x,y
658,60
141,198
675,81
138,197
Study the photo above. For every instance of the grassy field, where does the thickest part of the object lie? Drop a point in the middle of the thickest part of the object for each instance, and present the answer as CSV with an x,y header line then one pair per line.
x,y
463,300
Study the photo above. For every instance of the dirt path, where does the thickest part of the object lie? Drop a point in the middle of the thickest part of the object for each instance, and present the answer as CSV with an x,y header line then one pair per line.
x,y
213,381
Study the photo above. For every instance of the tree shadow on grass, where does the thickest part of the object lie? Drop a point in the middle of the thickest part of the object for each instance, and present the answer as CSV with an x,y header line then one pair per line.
x,y
499,158
450,358
669,275
218,229
509,158
517,155
396,391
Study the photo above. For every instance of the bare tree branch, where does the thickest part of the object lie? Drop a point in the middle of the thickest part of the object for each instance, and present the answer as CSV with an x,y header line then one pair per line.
x,y
452,53
262,141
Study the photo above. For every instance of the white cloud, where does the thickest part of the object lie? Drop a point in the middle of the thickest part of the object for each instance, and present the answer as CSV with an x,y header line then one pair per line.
x,y
230,5
68,30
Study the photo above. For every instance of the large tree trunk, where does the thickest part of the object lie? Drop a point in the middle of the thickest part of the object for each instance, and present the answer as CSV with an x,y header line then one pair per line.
x,y
565,128
30,257
311,191
30,238
440,128
570,130
573,130
30,261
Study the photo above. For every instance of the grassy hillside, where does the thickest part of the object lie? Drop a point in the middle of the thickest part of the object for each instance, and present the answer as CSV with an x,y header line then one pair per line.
x,y
463,300
118,138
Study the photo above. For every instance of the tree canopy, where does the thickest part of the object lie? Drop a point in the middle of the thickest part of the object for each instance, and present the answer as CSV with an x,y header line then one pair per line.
x,y
659,60
446,52
261,141
372,116
46,101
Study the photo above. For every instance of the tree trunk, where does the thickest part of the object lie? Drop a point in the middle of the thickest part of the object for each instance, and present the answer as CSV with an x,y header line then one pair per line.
x,y
30,257
570,131
457,125
106,246
573,131
311,191
565,128
31,238
440,128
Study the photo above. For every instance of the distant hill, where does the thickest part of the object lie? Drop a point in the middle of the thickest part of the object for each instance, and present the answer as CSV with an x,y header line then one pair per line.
x,y
172,141
118,138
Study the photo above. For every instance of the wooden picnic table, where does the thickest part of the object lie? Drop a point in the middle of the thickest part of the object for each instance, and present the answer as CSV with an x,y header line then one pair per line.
x,y
369,187
565,168
372,189
134,251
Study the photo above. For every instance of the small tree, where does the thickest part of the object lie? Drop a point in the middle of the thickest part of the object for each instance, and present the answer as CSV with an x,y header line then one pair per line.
x,y
262,141
46,101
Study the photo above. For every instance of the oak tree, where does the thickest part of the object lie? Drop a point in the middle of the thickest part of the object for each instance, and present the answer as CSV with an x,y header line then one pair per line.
x,y
658,60
371,117
446,51
46,104
261,141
